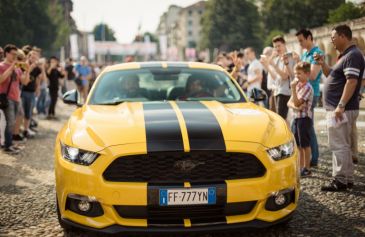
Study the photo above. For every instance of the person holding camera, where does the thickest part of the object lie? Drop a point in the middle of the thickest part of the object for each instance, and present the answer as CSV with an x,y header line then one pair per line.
x,y
10,78
54,74
282,63
31,90
254,71
341,100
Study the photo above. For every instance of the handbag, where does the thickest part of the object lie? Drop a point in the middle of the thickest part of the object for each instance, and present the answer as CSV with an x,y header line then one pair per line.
x,y
4,97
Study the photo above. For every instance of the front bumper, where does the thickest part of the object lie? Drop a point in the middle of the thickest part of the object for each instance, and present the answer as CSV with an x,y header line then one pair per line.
x,y
88,181
117,229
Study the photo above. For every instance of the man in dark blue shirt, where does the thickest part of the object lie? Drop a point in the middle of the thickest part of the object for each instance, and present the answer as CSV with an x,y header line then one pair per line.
x,y
341,100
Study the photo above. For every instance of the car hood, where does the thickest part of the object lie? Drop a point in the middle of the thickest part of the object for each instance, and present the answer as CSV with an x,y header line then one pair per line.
x,y
164,126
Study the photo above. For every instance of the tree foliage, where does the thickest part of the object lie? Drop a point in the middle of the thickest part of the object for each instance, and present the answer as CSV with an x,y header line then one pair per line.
x,y
103,32
346,11
38,23
294,14
229,25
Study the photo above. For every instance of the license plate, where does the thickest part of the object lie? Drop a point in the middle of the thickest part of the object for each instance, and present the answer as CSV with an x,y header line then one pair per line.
x,y
187,196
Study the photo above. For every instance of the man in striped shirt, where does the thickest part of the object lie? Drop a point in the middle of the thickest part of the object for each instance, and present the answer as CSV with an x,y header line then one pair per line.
x,y
341,97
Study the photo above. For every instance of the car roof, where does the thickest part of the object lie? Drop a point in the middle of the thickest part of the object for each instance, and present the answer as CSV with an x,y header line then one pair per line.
x,y
139,65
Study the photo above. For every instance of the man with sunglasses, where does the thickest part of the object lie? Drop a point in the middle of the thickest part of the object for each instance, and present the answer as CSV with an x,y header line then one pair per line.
x,y
10,78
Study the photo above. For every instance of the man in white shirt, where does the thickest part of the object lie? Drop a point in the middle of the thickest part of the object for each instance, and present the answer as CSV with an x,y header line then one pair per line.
x,y
254,72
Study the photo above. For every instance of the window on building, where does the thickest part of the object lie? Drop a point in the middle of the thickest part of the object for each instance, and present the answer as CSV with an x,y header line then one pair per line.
x,y
190,33
190,12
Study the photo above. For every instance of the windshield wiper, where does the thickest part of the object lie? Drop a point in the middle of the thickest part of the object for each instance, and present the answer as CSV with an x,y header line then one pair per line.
x,y
113,102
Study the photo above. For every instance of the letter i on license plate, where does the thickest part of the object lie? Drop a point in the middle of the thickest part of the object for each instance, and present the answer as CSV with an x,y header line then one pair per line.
x,y
188,196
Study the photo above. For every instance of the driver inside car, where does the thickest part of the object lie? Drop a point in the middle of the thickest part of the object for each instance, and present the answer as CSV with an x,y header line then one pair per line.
x,y
130,87
195,88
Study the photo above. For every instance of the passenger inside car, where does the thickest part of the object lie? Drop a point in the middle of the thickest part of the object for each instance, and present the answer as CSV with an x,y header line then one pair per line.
x,y
195,87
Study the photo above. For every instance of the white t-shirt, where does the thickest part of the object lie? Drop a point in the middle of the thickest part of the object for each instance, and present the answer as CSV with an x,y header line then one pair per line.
x,y
270,80
282,87
254,65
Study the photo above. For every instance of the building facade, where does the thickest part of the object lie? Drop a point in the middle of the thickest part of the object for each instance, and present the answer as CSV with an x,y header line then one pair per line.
x,y
181,28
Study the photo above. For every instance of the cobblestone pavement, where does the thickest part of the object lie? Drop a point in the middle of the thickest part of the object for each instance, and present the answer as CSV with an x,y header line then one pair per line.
x,y
27,195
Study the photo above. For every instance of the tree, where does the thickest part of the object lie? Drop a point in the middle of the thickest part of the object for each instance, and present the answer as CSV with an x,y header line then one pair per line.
x,y
39,23
346,11
103,32
295,14
271,35
230,25
141,38
26,22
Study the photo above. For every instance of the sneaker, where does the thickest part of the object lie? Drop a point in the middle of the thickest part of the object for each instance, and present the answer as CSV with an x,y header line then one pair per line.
x,y
28,134
305,172
313,165
350,185
19,138
12,150
33,123
31,132
334,186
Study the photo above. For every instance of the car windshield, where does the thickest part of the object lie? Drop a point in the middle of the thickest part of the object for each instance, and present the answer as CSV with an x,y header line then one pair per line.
x,y
160,84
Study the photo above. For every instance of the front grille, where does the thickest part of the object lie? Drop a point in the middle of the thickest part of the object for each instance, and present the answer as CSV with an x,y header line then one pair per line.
x,y
177,167
182,212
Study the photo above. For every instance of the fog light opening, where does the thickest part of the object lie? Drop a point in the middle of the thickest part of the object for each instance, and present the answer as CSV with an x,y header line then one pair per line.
x,y
280,199
84,206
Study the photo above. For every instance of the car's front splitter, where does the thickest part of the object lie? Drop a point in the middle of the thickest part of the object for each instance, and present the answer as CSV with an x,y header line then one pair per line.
x,y
116,229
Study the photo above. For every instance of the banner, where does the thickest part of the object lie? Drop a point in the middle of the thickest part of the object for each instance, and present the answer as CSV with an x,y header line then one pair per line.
x,y
74,47
91,46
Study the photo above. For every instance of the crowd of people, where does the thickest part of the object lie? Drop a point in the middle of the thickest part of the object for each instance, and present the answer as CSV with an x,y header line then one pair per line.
x,y
292,85
30,86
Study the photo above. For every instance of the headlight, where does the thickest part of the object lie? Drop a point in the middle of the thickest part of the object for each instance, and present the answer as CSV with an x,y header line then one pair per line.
x,y
78,156
281,152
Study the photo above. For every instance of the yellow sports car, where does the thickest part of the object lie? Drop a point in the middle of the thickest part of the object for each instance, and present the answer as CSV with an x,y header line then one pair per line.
x,y
173,147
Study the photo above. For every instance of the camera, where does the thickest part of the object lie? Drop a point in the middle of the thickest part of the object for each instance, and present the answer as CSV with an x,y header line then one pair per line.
x,y
289,54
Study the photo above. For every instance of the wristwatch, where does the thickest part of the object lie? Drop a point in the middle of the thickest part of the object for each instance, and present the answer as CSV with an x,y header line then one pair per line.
x,y
341,105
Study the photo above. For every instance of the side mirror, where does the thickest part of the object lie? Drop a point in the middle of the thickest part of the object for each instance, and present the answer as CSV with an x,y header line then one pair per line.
x,y
72,97
258,95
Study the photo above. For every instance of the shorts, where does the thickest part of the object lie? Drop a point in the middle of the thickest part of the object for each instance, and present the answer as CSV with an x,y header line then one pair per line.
x,y
302,127
84,83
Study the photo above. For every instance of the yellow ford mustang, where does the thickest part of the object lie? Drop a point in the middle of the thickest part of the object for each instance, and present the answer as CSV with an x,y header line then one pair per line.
x,y
173,147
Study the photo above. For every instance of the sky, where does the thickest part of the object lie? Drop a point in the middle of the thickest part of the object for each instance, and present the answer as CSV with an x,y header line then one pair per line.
x,y
123,16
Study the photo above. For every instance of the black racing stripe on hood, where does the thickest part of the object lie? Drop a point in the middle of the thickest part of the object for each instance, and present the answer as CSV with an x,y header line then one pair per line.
x,y
163,131
204,131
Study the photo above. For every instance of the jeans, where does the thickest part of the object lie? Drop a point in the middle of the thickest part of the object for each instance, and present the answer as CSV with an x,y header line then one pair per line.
x,y
10,116
54,96
28,101
313,136
282,105
41,102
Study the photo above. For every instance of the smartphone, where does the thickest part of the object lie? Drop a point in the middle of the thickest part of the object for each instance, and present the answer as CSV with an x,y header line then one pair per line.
x,y
289,54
